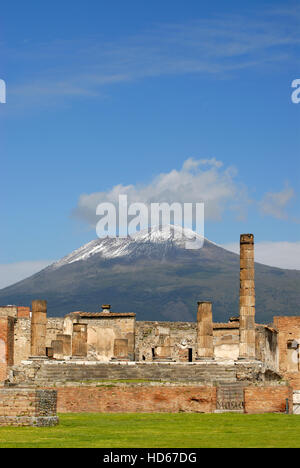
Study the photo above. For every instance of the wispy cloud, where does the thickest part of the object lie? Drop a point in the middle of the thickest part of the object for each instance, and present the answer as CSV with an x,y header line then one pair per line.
x,y
275,203
277,254
217,46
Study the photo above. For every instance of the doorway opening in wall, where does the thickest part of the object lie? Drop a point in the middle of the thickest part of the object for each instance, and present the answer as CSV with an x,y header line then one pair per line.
x,y
190,355
153,353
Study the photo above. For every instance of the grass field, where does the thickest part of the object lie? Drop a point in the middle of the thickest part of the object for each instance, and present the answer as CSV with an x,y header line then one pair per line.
x,y
182,430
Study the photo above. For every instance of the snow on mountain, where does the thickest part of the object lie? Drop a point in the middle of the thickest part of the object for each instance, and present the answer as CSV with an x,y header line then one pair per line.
x,y
109,248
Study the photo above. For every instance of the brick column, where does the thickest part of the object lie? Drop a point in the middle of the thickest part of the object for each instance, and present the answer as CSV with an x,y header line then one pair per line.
x,y
247,297
205,348
38,328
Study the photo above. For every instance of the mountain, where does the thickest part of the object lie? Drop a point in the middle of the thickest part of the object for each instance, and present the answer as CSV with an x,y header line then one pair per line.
x,y
154,275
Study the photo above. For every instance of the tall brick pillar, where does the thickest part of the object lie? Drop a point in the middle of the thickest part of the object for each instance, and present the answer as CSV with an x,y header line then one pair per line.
x,y
38,328
205,348
247,297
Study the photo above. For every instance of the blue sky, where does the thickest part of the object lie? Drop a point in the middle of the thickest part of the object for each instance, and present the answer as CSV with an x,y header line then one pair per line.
x,y
102,94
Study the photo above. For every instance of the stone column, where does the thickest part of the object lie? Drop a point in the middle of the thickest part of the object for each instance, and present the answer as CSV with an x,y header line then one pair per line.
x,y
66,342
205,348
38,328
79,340
247,297
120,350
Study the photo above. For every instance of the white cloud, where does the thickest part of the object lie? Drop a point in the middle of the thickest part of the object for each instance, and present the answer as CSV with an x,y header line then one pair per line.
x,y
217,46
11,273
278,254
275,203
197,181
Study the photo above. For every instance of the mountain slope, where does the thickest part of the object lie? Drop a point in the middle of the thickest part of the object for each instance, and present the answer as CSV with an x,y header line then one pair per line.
x,y
156,277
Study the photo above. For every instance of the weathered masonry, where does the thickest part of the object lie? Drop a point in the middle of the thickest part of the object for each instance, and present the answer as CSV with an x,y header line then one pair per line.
x,y
90,346
28,407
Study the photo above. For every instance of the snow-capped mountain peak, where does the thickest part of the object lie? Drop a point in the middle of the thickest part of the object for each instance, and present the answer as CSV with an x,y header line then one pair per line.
x,y
109,248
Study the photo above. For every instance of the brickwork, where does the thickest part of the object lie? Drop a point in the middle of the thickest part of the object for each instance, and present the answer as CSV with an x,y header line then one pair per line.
x,y
145,398
6,345
268,399
23,312
28,407
247,297
141,399
288,346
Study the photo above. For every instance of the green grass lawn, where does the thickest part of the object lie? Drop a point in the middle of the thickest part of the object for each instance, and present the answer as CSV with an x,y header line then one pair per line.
x,y
183,430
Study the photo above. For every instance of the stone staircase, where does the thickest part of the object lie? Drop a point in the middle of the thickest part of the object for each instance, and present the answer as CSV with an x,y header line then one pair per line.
x,y
230,398
65,371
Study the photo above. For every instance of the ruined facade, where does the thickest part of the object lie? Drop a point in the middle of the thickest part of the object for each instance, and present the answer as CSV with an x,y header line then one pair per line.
x,y
114,346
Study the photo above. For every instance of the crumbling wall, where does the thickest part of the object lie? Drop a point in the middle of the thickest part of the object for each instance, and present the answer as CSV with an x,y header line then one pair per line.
x,y
269,399
151,335
183,337
28,407
266,346
288,344
22,339
8,311
146,398
133,399
55,326
6,345
103,333
226,340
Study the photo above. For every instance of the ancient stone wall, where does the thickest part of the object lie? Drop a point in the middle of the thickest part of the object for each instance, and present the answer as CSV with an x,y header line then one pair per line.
x,y
141,399
151,335
28,407
22,339
102,333
266,346
23,312
55,325
10,311
288,345
6,345
183,340
270,399
226,340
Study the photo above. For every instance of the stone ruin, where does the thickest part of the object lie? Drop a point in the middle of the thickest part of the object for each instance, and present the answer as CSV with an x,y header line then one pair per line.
x,y
228,361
